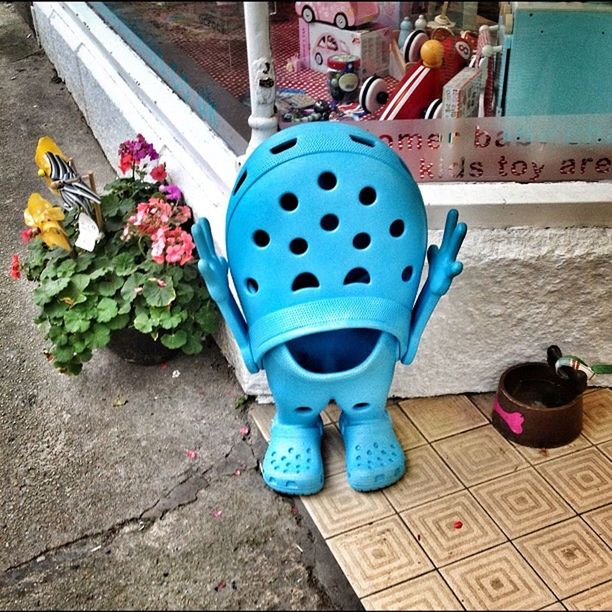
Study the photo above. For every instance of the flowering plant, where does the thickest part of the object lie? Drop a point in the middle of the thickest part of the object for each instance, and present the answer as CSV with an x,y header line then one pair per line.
x,y
138,272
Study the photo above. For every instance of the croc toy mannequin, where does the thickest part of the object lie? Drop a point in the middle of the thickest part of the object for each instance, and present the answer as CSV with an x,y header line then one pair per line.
x,y
326,237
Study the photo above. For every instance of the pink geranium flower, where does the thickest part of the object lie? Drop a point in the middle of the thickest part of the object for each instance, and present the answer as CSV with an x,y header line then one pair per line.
x,y
159,173
15,267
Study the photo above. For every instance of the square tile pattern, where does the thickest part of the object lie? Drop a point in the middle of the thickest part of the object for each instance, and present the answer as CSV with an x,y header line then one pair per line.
x,y
477,522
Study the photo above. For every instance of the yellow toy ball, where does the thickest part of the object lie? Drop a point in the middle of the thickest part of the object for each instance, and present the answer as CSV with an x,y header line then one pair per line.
x,y
432,53
41,172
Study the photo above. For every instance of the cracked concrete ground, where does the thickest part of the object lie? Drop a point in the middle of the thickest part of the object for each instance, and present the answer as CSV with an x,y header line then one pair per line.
x,y
101,507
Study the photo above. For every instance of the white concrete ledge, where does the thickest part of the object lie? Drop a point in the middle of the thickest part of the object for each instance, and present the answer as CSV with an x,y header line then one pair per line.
x,y
522,288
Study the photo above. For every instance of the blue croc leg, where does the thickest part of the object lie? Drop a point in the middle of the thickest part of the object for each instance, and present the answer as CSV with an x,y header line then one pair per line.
x,y
374,457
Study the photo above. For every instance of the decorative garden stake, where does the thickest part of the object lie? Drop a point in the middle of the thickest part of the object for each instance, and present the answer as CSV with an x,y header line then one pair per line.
x,y
326,236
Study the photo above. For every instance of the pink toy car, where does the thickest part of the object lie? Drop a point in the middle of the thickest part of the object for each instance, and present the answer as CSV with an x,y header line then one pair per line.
x,y
326,46
342,14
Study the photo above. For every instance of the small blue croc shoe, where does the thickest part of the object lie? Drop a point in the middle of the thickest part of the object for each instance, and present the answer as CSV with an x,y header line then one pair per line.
x,y
293,464
374,457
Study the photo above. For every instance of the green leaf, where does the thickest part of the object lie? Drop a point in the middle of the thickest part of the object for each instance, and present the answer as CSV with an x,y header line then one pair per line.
x,y
129,289
124,264
184,293
52,287
75,323
119,322
66,268
192,346
190,272
63,353
106,310
207,318
100,335
159,296
176,340
143,323
110,285
170,320
74,291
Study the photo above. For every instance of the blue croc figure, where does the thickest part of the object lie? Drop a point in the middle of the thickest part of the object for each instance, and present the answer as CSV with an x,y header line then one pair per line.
x,y
326,236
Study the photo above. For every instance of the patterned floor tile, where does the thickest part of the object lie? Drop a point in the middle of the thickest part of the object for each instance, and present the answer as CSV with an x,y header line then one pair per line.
x,y
554,607
569,557
539,455
498,579
438,417
484,402
601,523
338,507
331,414
522,502
332,449
407,434
379,556
426,478
606,448
597,598
479,455
583,478
452,528
597,415
428,592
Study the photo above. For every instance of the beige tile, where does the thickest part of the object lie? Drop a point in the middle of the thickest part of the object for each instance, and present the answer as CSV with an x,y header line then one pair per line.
x,y
601,522
583,478
553,607
597,415
438,417
479,455
568,556
379,556
428,592
539,455
263,414
497,579
332,449
484,402
597,598
452,528
407,434
426,478
338,507
606,448
522,502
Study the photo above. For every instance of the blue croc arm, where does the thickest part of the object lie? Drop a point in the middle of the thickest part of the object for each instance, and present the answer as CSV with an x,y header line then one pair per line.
x,y
214,272
443,267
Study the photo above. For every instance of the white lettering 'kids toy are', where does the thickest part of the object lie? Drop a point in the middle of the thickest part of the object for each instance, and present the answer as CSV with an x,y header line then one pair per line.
x,y
326,238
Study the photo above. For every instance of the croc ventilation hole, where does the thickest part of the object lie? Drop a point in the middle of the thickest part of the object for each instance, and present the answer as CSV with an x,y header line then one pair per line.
x,y
357,275
396,229
361,140
367,196
298,246
289,202
304,409
361,406
305,280
407,273
251,285
241,180
362,241
330,222
261,238
283,146
327,180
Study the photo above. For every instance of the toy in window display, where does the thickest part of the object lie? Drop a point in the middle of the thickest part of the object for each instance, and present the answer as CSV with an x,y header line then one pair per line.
x,y
326,237
342,14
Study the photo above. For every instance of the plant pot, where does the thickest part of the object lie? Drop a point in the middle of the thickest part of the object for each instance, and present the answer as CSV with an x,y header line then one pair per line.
x,y
135,347
535,407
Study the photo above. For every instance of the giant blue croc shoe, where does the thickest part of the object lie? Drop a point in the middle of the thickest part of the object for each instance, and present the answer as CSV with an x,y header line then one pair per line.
x,y
326,237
